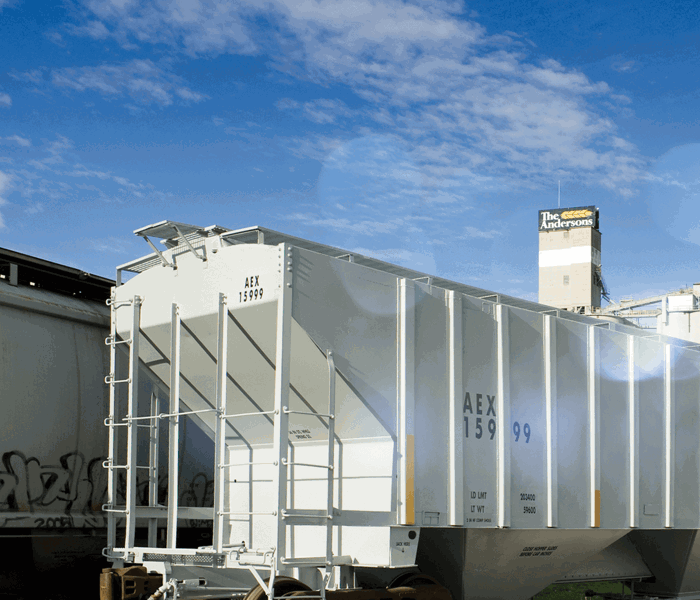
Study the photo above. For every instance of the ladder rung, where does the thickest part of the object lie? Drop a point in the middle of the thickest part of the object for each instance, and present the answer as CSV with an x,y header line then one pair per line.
x,y
246,464
305,412
321,514
311,560
110,341
250,414
300,464
109,380
118,303
110,421
189,412
128,418
109,508
106,465
268,514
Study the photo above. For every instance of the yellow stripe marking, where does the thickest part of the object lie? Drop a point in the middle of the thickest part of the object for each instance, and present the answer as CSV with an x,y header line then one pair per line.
x,y
410,485
597,508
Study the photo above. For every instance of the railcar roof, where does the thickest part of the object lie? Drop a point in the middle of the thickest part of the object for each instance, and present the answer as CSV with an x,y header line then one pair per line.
x,y
263,235
54,277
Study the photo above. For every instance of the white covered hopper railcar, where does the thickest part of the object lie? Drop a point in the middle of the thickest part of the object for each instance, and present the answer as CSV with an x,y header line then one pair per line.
x,y
369,419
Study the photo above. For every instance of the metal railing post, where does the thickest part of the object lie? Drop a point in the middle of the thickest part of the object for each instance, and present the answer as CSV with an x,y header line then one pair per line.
x,y
550,388
132,426
153,470
173,427
112,448
281,427
503,404
331,459
220,440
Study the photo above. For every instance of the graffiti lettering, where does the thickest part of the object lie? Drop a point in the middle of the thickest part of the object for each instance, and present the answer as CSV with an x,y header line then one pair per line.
x,y
73,485
76,489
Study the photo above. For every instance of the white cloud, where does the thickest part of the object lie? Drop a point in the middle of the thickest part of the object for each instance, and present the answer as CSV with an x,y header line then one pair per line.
x,y
94,29
473,232
55,37
55,150
79,170
325,111
189,95
368,227
286,104
322,111
418,261
625,66
142,80
24,142
5,100
433,76
33,76
111,245
198,26
554,75
53,174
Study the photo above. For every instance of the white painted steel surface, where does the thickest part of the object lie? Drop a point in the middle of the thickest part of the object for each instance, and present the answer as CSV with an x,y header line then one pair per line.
x,y
52,404
453,407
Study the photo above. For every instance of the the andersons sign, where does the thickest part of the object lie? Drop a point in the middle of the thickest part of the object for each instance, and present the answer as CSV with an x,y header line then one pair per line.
x,y
567,218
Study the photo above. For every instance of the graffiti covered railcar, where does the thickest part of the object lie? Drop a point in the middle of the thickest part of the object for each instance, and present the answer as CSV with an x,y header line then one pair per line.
x,y
53,404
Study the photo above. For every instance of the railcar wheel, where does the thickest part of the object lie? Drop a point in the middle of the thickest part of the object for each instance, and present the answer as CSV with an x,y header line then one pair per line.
x,y
283,585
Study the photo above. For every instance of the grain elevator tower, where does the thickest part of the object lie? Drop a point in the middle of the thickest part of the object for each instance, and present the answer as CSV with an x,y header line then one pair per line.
x,y
569,258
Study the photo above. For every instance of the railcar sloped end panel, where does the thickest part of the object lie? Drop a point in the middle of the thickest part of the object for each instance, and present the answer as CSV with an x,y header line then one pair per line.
x,y
352,310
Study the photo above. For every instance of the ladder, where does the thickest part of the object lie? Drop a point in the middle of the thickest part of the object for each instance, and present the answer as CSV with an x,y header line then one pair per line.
x,y
274,558
291,516
129,511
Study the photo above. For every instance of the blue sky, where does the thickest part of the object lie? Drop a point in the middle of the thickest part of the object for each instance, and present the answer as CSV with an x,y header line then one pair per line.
x,y
424,133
